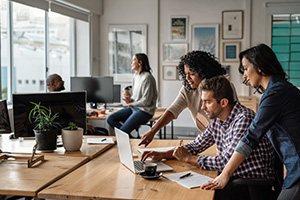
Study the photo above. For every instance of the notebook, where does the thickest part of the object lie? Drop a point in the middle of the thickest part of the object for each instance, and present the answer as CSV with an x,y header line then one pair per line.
x,y
126,158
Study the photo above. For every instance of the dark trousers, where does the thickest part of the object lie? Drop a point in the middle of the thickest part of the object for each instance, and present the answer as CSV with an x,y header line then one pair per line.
x,y
234,191
292,193
128,119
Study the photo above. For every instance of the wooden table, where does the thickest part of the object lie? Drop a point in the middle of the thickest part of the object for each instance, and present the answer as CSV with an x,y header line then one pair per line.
x,y
106,178
17,179
25,146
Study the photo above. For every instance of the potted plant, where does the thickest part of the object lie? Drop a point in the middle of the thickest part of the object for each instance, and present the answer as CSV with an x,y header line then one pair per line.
x,y
72,137
45,126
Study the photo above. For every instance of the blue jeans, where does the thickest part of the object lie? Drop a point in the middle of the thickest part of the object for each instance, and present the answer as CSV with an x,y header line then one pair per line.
x,y
128,119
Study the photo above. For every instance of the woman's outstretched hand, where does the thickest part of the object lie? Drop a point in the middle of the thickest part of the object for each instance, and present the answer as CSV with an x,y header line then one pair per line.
x,y
218,183
147,138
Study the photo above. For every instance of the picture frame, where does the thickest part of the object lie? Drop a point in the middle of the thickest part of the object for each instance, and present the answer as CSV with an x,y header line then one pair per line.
x,y
169,72
205,37
179,28
232,24
124,41
173,51
231,51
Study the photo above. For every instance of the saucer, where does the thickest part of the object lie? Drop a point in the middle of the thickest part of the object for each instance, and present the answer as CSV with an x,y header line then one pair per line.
x,y
157,175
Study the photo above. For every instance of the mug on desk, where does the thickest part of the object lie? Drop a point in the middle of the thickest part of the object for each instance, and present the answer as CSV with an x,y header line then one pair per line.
x,y
150,169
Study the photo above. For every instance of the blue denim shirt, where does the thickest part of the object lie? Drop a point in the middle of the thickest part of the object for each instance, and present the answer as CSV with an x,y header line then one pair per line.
x,y
278,116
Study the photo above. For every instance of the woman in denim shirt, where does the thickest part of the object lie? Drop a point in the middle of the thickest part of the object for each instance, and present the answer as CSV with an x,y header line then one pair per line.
x,y
278,116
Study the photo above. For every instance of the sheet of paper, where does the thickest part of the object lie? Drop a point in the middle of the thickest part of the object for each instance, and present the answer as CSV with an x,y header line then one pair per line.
x,y
192,181
159,149
100,141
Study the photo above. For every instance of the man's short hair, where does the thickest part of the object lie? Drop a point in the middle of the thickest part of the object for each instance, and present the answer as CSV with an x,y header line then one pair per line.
x,y
220,86
50,79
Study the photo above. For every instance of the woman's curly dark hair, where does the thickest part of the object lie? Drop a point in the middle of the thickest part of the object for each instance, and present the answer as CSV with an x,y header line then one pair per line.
x,y
201,62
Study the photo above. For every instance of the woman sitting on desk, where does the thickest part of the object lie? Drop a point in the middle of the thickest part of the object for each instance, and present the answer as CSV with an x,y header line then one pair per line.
x,y
141,105
193,68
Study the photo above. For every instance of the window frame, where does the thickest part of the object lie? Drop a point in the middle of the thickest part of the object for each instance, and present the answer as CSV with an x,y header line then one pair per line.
x,y
73,34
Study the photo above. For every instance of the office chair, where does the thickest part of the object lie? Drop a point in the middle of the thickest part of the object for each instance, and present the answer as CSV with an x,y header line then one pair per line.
x,y
257,186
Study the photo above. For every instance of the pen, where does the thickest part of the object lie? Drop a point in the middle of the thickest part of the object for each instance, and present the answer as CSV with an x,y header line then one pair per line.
x,y
103,140
181,141
186,175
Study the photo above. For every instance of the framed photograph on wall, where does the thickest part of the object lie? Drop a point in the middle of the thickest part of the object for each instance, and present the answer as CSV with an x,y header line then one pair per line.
x,y
231,51
173,51
205,37
179,30
232,23
124,42
169,72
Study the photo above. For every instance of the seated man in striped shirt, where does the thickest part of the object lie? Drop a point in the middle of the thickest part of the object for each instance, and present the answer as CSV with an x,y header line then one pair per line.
x,y
229,122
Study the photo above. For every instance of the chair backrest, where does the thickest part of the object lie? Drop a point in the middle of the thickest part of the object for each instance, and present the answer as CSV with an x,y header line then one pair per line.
x,y
249,102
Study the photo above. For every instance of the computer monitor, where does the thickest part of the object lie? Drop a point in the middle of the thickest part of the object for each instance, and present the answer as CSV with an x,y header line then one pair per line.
x,y
117,93
4,118
99,89
71,107
88,84
106,89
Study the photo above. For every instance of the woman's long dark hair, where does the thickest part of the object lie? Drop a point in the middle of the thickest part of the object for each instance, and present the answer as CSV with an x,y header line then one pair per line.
x,y
201,62
145,67
264,62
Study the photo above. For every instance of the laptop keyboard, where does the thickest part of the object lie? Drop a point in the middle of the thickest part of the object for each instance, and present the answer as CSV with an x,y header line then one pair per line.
x,y
139,165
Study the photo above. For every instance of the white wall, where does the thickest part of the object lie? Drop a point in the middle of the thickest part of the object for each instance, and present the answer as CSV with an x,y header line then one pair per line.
x,y
130,12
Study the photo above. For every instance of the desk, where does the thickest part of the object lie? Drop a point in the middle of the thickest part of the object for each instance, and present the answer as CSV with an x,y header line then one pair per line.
x,y
25,146
158,113
106,178
17,179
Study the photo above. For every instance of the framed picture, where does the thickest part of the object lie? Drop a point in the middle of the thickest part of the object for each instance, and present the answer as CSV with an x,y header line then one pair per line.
x,y
169,72
179,30
173,51
231,51
205,37
124,42
232,23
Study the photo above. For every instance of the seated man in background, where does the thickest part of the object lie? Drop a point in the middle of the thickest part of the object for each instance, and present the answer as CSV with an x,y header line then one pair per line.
x,y
55,83
229,122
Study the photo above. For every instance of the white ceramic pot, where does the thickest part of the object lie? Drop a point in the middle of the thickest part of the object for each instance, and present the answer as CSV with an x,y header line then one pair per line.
x,y
72,139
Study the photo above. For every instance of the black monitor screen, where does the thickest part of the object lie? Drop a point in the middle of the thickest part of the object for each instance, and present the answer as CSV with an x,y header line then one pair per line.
x,y
117,93
71,107
99,89
4,118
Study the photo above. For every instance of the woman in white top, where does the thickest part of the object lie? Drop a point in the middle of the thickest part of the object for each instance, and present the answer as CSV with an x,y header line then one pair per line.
x,y
193,68
142,104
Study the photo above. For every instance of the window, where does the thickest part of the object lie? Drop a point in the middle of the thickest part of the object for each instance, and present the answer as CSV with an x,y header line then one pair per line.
x,y
60,46
4,47
36,43
28,46
286,44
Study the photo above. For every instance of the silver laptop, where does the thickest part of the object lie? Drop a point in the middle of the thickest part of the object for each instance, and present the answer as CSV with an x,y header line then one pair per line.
x,y
126,158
